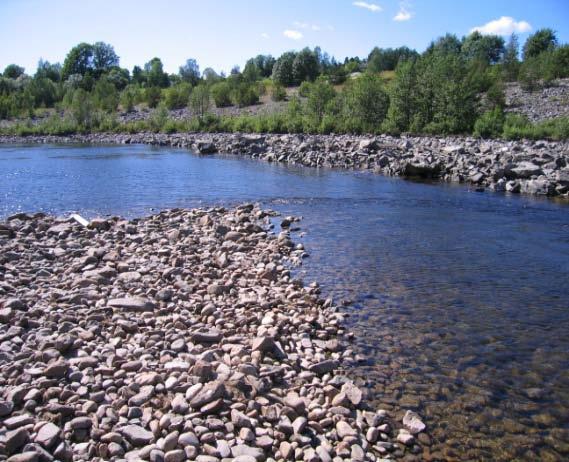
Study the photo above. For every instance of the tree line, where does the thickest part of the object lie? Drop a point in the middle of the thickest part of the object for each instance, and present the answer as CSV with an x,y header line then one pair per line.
x,y
455,86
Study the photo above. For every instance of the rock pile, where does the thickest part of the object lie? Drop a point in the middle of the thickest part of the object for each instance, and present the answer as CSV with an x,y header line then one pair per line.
x,y
528,167
180,336
543,104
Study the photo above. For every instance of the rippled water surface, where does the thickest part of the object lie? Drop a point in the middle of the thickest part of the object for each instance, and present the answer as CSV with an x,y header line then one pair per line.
x,y
460,300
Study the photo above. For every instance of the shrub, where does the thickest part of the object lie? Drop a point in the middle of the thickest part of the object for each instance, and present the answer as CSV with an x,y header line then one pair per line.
x,y
221,93
82,108
200,100
105,96
496,96
245,95
304,89
158,118
490,124
530,74
177,96
278,92
127,99
517,127
152,96
320,95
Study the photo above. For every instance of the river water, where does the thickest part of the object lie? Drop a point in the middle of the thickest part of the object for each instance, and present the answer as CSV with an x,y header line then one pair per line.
x,y
460,300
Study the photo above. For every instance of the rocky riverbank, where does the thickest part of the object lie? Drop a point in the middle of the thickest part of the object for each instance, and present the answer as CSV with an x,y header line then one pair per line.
x,y
180,336
527,167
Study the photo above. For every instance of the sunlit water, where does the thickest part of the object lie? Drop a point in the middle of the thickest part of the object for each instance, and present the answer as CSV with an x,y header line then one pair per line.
x,y
460,300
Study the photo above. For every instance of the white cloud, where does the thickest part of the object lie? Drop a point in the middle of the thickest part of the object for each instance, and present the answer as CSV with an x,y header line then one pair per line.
x,y
316,28
404,13
292,34
265,35
506,25
368,6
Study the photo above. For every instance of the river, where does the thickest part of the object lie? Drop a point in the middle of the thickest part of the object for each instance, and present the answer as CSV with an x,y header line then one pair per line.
x,y
459,300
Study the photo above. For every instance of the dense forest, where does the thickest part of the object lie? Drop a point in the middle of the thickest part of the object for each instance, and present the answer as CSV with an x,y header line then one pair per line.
x,y
456,86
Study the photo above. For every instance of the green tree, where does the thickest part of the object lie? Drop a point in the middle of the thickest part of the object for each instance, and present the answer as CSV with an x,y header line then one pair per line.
x,y
448,44
511,63
364,104
304,66
200,100
45,70
454,100
264,64
320,95
283,69
486,48
138,75
403,96
104,57
190,72
251,72
79,60
155,75
560,62
539,42
210,76
386,59
13,71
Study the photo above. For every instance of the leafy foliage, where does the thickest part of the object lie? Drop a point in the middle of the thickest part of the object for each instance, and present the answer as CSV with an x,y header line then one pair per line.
x,y
13,71
490,124
487,48
154,73
177,96
541,41
221,93
386,59
278,92
200,100
190,72
304,66
245,94
283,69
364,104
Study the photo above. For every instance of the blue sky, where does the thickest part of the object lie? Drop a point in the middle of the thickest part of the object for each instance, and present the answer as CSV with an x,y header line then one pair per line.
x,y
222,33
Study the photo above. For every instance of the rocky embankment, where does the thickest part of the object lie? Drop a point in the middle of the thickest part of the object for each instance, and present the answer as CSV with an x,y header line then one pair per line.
x,y
180,336
529,167
542,104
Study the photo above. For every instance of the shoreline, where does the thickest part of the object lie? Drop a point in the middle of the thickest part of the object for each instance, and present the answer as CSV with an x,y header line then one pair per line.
x,y
180,335
525,167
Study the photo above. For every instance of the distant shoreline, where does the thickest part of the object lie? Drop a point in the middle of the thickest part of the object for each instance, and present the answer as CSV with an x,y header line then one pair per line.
x,y
538,168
